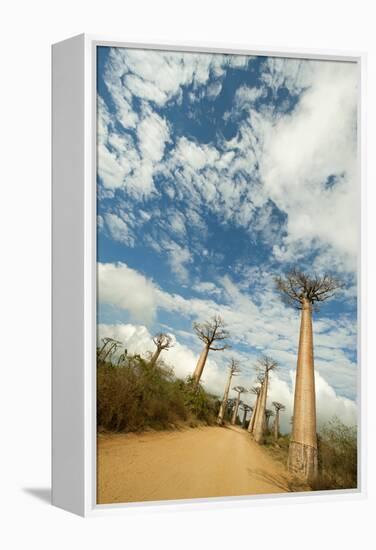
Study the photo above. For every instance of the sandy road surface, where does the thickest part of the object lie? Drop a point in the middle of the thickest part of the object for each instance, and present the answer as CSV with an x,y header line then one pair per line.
x,y
193,463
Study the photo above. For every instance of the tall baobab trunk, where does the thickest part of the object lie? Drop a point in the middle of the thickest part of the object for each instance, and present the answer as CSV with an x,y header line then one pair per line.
x,y
303,456
201,364
236,409
251,424
154,357
223,406
259,426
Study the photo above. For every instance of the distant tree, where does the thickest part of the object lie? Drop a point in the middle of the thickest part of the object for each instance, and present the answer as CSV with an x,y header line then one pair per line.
x,y
256,391
267,415
230,407
264,366
239,390
210,332
278,407
246,408
162,342
305,293
233,370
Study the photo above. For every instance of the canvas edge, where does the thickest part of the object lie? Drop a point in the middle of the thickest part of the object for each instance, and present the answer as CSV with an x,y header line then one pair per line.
x,y
68,247
90,507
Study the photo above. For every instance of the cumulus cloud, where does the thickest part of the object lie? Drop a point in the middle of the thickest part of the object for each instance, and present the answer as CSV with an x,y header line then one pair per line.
x,y
118,229
303,150
125,288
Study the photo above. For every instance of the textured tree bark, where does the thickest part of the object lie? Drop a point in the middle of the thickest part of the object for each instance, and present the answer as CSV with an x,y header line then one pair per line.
x,y
155,356
251,424
303,456
223,406
236,408
200,364
259,426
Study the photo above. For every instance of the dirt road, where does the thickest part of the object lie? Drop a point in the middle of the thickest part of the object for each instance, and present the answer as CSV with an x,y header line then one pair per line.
x,y
193,463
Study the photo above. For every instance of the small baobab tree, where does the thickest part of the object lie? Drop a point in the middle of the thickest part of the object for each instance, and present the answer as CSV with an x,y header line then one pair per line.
x,y
234,370
277,407
265,366
209,332
256,391
162,342
305,293
246,408
230,407
239,390
267,415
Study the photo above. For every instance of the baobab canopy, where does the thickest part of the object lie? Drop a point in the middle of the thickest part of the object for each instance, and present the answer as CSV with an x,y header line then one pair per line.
x,y
297,286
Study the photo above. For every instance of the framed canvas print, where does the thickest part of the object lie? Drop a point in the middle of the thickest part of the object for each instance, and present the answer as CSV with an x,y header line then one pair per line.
x,y
206,274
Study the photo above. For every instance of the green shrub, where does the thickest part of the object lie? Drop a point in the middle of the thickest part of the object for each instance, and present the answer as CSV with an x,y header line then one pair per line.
x,y
337,449
136,395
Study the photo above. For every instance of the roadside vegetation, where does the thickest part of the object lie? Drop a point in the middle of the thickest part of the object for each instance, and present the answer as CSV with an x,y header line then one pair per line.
x,y
337,444
136,395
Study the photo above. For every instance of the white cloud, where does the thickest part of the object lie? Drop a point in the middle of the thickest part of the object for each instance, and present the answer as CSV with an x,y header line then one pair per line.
x,y
207,287
118,229
178,257
302,150
152,135
125,288
245,95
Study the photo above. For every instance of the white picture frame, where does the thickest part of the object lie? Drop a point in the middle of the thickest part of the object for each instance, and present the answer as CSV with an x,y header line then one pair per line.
x,y
74,276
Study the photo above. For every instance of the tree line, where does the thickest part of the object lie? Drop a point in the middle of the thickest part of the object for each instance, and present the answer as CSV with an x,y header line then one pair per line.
x,y
304,293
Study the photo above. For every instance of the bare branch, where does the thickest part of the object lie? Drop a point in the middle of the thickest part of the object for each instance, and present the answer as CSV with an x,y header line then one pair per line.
x,y
265,364
212,331
234,367
163,341
297,287
240,389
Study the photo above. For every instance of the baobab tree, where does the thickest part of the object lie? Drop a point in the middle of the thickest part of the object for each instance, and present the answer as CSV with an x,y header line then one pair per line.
x,y
230,407
246,408
234,370
256,390
277,407
239,390
109,347
305,293
265,366
162,341
209,332
267,415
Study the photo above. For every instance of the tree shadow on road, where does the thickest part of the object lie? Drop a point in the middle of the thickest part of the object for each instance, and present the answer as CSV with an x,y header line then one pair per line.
x,y
283,482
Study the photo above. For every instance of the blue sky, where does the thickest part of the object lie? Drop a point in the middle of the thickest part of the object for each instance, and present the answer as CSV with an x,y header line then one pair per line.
x,y
216,173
